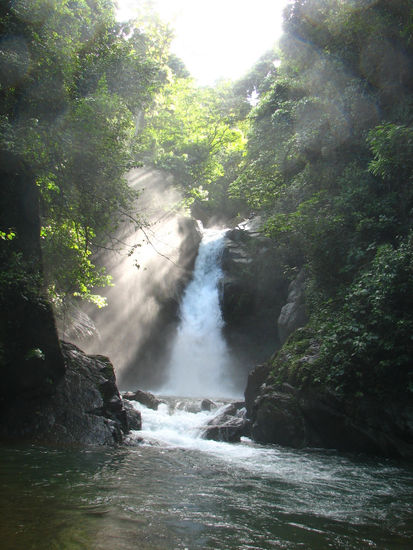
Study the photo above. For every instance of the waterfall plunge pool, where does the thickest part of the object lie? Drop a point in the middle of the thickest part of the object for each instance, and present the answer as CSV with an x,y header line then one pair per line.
x,y
177,491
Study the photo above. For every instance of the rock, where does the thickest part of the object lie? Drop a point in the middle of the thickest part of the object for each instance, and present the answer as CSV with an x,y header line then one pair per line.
x,y
84,407
293,314
237,408
147,363
191,406
144,397
285,409
231,430
207,405
31,360
149,296
134,417
256,379
285,415
229,425
278,419
250,309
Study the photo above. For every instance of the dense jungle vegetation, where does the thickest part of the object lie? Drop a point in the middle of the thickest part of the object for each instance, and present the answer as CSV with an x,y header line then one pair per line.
x,y
317,139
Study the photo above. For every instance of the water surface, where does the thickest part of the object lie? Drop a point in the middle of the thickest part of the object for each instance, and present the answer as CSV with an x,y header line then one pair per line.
x,y
178,491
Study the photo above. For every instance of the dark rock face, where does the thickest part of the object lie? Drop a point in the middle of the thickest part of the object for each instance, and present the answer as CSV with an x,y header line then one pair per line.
x,y
144,397
85,407
293,314
31,360
229,425
134,417
148,363
298,418
256,379
253,291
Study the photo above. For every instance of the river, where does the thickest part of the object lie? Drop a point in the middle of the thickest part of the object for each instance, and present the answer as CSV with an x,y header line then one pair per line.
x,y
176,491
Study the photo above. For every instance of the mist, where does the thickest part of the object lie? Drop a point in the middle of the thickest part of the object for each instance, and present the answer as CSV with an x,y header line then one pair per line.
x,y
135,329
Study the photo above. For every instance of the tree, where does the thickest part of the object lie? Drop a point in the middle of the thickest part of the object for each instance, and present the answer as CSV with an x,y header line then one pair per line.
x,y
194,134
72,82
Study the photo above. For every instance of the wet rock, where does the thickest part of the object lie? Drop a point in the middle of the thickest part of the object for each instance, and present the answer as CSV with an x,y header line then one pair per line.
x,y
188,405
231,430
229,425
144,397
256,379
207,405
237,408
250,310
278,419
310,417
134,417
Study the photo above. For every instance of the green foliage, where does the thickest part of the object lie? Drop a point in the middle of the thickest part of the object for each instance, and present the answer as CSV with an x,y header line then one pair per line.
x,y
7,235
296,362
68,264
35,353
392,147
328,165
191,133
72,82
367,344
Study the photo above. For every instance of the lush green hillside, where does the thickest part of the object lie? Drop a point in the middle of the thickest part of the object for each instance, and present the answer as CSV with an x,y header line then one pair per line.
x,y
330,157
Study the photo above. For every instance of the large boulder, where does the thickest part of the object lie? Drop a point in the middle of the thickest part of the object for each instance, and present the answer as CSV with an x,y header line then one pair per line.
x,y
284,409
278,419
84,407
310,418
229,425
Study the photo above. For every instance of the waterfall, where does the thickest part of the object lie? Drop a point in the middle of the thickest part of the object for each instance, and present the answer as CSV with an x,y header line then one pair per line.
x,y
200,362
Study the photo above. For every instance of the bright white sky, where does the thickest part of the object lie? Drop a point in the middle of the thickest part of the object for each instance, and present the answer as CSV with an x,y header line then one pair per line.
x,y
218,38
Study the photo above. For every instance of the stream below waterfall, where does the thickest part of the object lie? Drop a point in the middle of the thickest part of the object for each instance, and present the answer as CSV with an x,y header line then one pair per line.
x,y
175,490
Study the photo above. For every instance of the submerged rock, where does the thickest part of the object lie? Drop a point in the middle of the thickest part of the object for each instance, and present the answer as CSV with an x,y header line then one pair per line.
x,y
84,407
229,425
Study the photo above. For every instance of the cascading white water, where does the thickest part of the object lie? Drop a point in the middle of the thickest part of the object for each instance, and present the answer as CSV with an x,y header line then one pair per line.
x,y
200,361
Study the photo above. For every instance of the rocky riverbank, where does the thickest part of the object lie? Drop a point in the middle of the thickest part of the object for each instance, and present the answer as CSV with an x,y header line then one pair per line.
x,y
83,408
304,416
